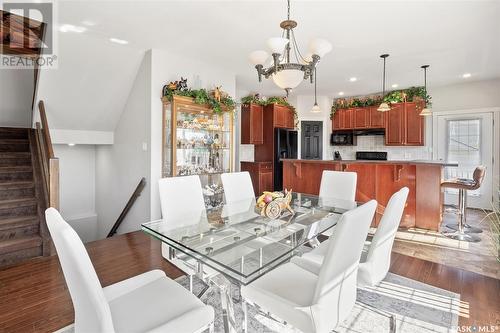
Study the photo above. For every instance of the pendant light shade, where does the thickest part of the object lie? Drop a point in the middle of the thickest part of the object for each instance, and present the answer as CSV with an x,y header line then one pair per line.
x,y
320,46
288,79
315,108
384,107
277,44
425,111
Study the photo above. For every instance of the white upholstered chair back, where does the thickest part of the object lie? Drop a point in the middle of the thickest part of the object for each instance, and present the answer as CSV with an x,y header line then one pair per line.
x,y
336,287
237,186
338,184
378,260
92,312
181,198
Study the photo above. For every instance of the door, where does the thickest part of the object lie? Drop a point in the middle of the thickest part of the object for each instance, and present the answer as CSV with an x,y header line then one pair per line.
x,y
468,140
312,140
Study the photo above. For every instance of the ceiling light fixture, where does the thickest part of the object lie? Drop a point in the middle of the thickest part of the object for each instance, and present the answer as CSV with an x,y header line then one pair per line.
x,y
425,111
353,79
383,107
288,74
395,85
341,93
315,108
118,41
71,28
466,75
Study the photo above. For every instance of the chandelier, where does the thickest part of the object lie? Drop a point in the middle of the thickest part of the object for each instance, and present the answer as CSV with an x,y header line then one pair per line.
x,y
288,73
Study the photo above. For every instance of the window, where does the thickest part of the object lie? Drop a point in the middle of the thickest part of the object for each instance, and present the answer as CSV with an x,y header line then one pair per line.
x,y
464,147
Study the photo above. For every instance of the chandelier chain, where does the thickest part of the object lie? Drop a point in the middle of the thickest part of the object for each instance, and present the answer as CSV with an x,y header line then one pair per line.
x,y
288,10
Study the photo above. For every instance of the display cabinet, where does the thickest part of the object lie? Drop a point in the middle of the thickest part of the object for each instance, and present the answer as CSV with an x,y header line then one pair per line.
x,y
197,141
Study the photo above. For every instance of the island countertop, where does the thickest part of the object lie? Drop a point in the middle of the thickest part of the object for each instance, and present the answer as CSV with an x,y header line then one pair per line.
x,y
430,162
379,180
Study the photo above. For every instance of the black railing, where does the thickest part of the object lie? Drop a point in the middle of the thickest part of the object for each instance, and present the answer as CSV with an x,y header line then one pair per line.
x,y
130,203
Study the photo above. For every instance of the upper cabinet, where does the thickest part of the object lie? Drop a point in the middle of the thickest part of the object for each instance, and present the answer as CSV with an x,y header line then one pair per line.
x,y
404,125
282,116
252,119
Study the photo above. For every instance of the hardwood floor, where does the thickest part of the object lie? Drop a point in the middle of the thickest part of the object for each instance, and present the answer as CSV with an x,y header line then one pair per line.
x,y
34,296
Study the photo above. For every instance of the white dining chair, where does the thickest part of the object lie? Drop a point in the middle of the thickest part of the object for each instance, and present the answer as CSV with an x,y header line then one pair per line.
x,y
311,302
149,302
182,205
376,256
237,186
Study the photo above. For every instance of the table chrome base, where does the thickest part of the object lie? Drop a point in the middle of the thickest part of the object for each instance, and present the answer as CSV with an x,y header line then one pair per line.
x,y
468,229
462,237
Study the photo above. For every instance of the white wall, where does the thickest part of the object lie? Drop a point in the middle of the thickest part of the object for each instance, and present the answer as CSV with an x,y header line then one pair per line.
x,y
170,67
119,167
77,188
16,94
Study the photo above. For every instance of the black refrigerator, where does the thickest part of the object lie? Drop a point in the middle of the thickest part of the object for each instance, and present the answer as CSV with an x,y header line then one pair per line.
x,y
285,146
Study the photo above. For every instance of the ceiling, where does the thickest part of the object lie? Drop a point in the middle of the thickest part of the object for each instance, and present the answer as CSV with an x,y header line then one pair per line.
x,y
453,37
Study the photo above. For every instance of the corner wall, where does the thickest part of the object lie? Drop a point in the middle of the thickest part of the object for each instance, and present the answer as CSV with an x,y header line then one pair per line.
x,y
120,167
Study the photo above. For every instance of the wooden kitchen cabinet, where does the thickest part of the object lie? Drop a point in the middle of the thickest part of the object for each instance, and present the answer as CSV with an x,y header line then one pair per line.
x,y
261,174
414,125
394,125
282,116
337,120
404,125
377,118
252,121
361,117
348,122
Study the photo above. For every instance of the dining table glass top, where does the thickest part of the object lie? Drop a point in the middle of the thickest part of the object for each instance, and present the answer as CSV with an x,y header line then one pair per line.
x,y
237,241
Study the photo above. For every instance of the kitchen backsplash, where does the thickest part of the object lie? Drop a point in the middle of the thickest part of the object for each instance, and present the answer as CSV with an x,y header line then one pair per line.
x,y
376,143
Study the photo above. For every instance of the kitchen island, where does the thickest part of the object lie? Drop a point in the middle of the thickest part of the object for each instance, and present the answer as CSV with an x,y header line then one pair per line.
x,y
379,180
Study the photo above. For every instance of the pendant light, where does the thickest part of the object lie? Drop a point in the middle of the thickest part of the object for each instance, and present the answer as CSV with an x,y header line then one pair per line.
x,y
426,111
315,108
383,106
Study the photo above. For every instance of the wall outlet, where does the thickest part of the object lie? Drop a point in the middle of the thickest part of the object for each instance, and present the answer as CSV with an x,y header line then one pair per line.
x,y
144,146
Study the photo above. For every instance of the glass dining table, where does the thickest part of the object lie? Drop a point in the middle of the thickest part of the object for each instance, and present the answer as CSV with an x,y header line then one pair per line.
x,y
237,245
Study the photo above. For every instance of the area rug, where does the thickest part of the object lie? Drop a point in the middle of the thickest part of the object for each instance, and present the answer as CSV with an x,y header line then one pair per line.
x,y
417,307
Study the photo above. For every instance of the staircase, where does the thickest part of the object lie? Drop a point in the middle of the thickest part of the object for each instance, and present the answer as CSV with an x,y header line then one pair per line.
x,y
20,234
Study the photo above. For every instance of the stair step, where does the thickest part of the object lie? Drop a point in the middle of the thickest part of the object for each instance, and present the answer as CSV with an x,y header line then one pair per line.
x,y
15,158
13,245
17,190
13,133
18,227
18,207
20,249
16,173
14,145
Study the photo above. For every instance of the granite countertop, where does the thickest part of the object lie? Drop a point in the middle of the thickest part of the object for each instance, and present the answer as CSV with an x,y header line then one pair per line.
x,y
432,162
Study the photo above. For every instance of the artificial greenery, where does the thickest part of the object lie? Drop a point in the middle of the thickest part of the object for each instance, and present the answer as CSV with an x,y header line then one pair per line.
x,y
255,99
202,96
412,94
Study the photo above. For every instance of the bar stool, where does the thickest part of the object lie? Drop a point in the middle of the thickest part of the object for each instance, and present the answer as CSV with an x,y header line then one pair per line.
x,y
463,231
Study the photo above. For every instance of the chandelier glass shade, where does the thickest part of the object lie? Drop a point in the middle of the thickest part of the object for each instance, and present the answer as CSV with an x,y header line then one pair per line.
x,y
384,107
288,79
289,68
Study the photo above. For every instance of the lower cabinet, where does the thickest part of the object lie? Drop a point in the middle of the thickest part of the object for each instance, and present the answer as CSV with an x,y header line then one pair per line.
x,y
261,174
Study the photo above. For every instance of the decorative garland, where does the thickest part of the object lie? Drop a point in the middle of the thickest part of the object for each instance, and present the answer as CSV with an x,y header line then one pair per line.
x,y
256,99
217,99
412,94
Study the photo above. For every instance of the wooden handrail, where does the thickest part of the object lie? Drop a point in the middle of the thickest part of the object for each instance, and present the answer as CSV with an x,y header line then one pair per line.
x,y
130,203
49,163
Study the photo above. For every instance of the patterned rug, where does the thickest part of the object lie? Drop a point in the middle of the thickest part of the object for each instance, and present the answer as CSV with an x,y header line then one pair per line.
x,y
418,307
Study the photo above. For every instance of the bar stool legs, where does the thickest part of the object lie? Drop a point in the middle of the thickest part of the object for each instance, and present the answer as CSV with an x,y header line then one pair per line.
x,y
461,233
463,211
